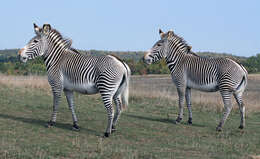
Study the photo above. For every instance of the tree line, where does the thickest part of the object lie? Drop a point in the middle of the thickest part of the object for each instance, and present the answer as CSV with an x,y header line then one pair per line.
x,y
10,65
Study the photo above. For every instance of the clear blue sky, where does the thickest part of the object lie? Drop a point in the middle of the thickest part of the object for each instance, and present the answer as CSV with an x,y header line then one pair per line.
x,y
231,26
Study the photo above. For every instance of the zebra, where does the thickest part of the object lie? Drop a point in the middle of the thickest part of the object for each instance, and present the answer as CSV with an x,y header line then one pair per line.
x,y
190,71
69,71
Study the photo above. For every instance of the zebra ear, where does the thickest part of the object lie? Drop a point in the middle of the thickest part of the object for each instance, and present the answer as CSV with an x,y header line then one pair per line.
x,y
170,34
161,33
37,29
46,28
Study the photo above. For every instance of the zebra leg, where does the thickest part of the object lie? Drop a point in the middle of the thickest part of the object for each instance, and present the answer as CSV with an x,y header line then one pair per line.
x,y
226,96
56,100
181,103
107,99
188,101
117,114
238,97
69,96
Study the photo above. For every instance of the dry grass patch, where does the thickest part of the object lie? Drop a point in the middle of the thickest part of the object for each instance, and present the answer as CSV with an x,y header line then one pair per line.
x,y
254,156
25,81
157,86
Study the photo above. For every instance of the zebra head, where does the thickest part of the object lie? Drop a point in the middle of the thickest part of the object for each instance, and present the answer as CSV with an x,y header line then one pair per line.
x,y
37,45
159,49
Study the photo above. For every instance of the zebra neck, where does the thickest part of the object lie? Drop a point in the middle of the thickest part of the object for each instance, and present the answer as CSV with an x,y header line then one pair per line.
x,y
53,56
173,59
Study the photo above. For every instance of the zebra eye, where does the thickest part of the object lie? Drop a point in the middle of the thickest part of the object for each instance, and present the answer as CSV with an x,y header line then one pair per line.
x,y
35,41
159,44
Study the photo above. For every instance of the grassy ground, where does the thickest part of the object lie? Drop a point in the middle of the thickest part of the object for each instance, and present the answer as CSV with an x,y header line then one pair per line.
x,y
145,129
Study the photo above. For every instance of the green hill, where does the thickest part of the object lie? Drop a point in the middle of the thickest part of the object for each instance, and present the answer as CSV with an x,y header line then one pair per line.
x,y
8,55
9,63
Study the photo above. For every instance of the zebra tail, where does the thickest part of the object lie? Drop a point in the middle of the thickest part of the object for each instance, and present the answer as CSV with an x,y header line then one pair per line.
x,y
125,89
242,85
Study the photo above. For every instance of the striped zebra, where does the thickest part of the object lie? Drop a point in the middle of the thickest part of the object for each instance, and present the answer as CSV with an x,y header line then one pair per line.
x,y
188,70
70,71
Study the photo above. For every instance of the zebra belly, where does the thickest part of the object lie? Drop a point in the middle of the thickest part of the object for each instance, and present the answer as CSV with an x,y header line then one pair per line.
x,y
84,88
210,87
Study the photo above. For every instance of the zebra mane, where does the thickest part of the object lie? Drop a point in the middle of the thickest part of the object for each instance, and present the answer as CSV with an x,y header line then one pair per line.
x,y
75,50
180,40
193,53
65,42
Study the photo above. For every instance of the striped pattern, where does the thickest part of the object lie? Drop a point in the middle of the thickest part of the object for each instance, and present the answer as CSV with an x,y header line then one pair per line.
x,y
190,71
70,71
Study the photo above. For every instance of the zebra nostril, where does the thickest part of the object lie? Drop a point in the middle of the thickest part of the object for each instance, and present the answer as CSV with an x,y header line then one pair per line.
x,y
146,61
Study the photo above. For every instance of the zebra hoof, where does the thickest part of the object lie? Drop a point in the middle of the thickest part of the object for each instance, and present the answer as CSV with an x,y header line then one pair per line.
x,y
178,120
75,127
106,134
190,121
241,127
219,129
113,129
50,124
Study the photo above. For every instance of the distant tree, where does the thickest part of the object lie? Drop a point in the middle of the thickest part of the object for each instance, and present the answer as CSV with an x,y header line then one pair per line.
x,y
252,64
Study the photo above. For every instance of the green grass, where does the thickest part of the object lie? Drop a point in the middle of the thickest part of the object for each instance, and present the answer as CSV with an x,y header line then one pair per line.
x,y
145,130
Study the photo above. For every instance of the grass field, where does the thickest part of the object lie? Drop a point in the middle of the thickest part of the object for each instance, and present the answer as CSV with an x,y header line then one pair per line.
x,y
145,130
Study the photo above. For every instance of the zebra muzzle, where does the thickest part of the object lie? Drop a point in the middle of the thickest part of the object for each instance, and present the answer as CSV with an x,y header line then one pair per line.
x,y
147,61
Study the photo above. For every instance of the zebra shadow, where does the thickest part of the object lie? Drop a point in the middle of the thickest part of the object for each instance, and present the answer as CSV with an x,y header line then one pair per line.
x,y
164,120
39,122
193,124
